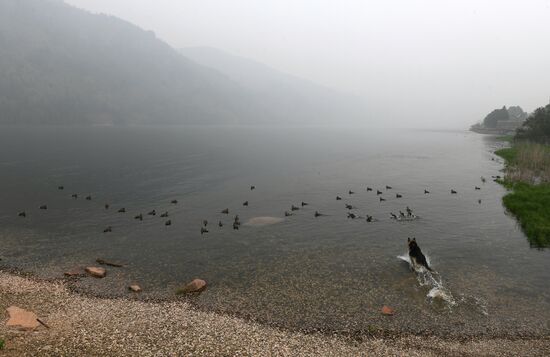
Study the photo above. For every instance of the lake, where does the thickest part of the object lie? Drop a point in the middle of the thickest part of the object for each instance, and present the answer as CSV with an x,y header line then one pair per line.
x,y
326,273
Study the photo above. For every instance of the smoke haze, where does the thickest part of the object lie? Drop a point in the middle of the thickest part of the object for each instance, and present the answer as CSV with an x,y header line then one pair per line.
x,y
414,63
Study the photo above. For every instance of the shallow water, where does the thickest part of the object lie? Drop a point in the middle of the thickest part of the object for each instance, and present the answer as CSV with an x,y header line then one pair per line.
x,y
328,272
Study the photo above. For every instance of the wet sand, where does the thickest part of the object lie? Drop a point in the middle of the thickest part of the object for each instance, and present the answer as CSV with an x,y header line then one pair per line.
x,y
82,325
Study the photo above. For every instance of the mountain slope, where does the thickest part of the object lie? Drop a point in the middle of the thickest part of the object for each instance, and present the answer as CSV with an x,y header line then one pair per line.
x,y
59,64
278,92
62,65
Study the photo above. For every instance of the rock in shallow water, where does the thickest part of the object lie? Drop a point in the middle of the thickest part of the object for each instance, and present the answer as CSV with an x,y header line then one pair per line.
x,y
22,319
135,288
386,310
74,272
96,272
196,286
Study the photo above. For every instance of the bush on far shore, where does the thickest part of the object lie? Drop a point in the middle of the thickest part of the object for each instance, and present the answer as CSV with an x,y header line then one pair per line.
x,y
537,127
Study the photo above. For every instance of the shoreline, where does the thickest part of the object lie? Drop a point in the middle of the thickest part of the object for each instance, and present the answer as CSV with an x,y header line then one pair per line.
x,y
526,180
119,327
357,335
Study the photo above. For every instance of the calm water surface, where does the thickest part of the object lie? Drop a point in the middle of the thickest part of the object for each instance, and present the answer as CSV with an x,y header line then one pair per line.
x,y
308,273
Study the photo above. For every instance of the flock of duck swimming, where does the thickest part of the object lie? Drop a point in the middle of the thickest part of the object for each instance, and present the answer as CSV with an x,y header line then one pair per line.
x,y
400,216
107,206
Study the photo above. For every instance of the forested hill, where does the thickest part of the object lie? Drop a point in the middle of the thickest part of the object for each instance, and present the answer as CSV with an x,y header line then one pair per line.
x,y
62,65
280,92
59,64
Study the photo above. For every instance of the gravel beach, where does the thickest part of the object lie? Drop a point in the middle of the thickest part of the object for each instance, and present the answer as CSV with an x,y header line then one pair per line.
x,y
80,325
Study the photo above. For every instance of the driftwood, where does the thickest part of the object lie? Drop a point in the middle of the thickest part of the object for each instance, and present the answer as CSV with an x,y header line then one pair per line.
x,y
103,262
43,323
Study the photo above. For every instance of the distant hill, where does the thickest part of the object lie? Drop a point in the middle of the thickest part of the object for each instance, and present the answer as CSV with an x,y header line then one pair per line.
x,y
59,65
62,65
298,99
502,120
492,119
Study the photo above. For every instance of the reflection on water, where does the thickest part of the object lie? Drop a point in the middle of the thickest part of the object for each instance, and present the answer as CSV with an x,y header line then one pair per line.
x,y
326,272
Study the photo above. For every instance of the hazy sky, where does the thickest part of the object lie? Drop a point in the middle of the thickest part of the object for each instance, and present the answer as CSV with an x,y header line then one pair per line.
x,y
424,62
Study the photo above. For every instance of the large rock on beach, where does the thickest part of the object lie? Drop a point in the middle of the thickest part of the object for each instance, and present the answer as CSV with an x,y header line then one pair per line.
x,y
135,288
21,318
96,272
196,286
74,272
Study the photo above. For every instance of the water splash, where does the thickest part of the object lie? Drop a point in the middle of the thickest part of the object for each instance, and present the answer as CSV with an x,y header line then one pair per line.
x,y
432,280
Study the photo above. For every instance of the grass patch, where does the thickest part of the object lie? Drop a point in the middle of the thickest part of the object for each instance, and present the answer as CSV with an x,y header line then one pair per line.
x,y
528,179
508,154
508,138
531,205
2,344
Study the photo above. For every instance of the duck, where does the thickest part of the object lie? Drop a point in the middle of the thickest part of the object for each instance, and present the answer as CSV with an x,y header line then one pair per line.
x,y
453,192
60,187
22,214
245,203
152,213
393,215
401,214
426,191
203,230
174,202
164,215
304,203
351,215
479,201
369,189
338,198
44,207
139,216
398,195
235,225
89,197
382,199
225,211
483,179
349,206
252,188
122,210
220,224
288,214
168,223
294,208
378,192
205,222
106,206
369,218
478,188
351,192
108,229
388,187
317,214
74,195
409,211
